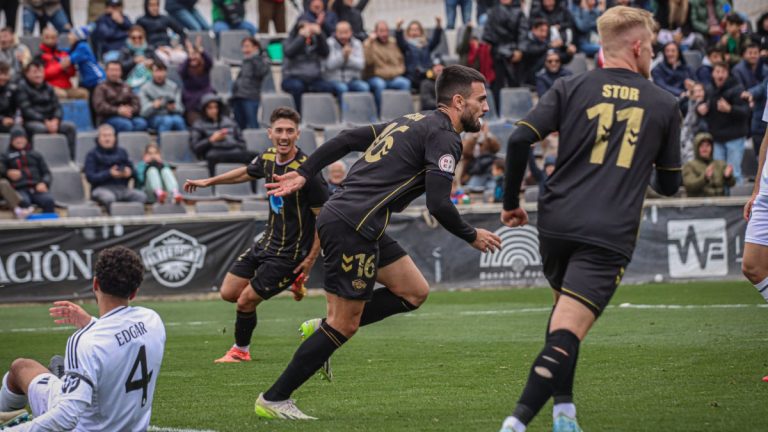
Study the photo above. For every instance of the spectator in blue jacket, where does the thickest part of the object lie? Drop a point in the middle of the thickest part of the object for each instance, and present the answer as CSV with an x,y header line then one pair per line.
x,y
108,169
585,18
715,55
81,55
672,74
553,69
186,14
416,49
111,30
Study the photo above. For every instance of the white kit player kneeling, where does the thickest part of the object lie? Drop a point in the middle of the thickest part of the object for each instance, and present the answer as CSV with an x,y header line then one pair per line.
x,y
111,364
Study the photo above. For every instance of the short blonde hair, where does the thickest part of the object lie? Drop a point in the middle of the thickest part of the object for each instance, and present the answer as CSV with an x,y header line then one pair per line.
x,y
619,22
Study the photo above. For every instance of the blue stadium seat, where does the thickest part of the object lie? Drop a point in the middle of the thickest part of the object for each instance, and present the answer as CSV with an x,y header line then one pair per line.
x,y
78,112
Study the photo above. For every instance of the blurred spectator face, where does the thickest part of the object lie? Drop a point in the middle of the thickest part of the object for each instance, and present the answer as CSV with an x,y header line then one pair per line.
x,y
195,59
283,133
751,55
35,75
248,48
5,76
6,39
114,72
548,5
541,32
719,75
414,30
733,29
349,3
671,54
212,110
50,38
497,169
106,138
552,63
382,31
705,150
438,69
159,75
337,172
590,4
136,38
624,2
153,7
698,93
316,6
715,57
343,32
19,143
152,152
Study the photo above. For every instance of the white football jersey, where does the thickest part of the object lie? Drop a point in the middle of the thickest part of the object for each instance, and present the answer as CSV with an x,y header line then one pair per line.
x,y
113,364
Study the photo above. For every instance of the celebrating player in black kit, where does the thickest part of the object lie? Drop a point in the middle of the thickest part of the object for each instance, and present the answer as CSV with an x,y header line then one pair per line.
x,y
614,125
288,248
402,160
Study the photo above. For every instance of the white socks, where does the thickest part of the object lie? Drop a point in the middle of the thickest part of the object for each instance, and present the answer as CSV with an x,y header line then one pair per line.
x,y
569,409
762,288
245,348
514,424
10,401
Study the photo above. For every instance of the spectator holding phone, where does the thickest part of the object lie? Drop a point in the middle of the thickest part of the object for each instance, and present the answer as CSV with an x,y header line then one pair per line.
x,y
108,169
215,136
160,101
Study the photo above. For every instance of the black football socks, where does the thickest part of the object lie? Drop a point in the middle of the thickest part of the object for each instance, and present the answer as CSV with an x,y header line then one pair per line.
x,y
383,304
245,323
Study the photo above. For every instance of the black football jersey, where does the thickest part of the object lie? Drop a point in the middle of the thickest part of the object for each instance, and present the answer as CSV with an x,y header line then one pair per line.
x,y
290,232
391,172
613,125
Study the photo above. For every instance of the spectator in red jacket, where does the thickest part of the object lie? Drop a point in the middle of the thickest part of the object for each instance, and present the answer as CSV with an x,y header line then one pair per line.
x,y
58,67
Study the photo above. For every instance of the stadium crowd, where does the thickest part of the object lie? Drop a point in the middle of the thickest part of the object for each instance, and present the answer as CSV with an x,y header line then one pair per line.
x,y
156,74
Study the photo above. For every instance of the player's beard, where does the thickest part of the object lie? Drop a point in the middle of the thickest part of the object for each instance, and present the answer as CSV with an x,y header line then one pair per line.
x,y
469,122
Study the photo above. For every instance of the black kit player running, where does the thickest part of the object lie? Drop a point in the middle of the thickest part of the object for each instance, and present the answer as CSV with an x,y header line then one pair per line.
x,y
290,231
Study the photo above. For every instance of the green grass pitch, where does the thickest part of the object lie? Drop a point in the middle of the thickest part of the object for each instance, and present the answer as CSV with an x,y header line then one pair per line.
x,y
460,362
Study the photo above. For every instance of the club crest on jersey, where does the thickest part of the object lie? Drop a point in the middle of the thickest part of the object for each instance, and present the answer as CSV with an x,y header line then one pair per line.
x,y
173,258
71,383
447,163
358,284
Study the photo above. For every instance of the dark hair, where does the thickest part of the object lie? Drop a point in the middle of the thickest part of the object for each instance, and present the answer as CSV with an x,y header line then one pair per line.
x,y
456,79
715,49
6,30
747,46
36,62
285,113
499,163
538,22
734,18
113,62
159,64
4,67
119,271
723,65
252,40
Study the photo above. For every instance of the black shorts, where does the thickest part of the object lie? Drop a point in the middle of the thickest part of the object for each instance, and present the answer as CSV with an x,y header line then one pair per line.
x,y
269,274
352,261
587,273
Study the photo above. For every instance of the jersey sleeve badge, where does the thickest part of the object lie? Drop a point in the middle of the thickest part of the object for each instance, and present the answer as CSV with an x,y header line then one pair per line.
x,y
447,163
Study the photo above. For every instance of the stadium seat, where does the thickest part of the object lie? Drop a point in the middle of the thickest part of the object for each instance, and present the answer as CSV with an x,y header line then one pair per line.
x,y
166,209
221,80
269,102
211,207
331,132
208,42
307,142
194,172
395,103
257,140
319,109
77,112
63,42
175,148
233,192
442,47
173,75
742,190
229,46
268,83
67,187
84,211
350,159
749,163
4,140
420,201
532,194
515,103
578,64
451,60
358,108
502,130
493,113
84,143
257,205
54,148
126,209
134,143
31,42
693,58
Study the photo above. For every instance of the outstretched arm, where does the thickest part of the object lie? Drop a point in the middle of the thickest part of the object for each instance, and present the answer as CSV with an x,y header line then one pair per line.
x,y
237,175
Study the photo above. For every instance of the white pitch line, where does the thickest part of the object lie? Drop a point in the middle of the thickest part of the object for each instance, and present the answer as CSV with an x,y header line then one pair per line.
x,y
169,429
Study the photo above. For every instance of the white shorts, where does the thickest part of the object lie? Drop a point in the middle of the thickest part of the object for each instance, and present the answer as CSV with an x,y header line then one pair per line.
x,y
757,227
43,393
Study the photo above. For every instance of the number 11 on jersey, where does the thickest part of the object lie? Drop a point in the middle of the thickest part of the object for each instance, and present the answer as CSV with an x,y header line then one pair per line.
x,y
605,116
